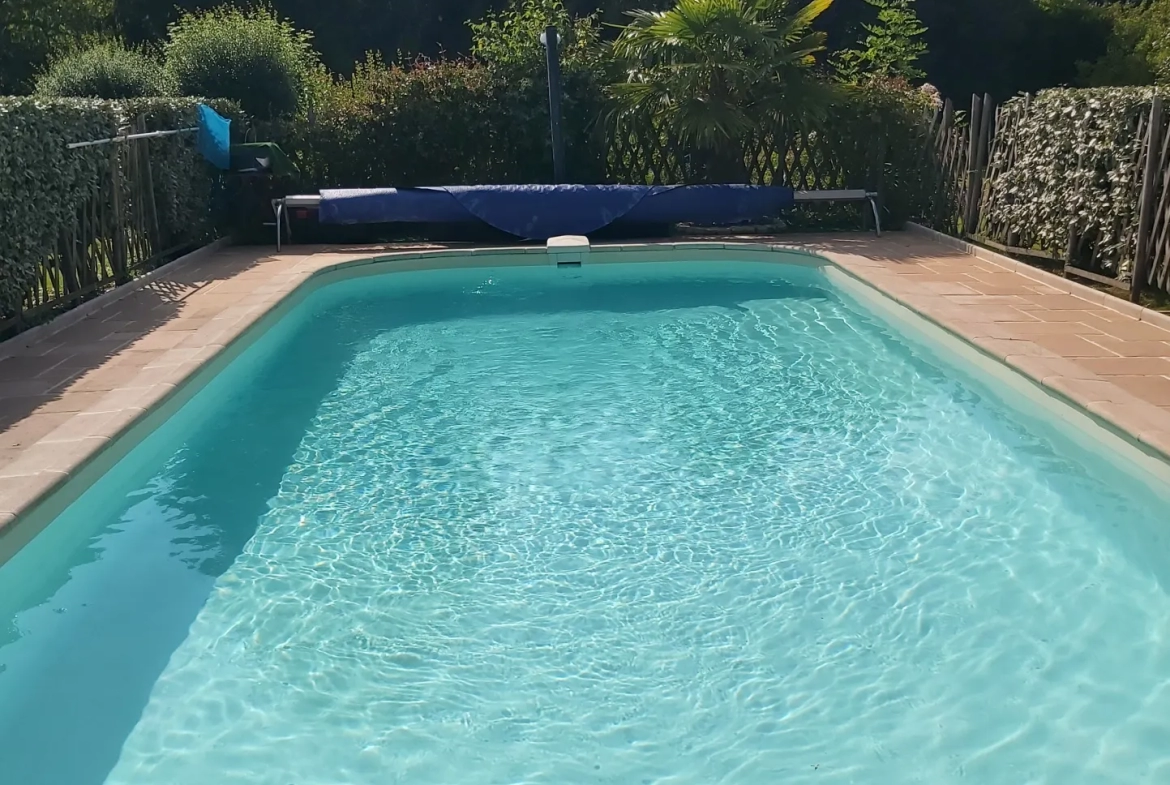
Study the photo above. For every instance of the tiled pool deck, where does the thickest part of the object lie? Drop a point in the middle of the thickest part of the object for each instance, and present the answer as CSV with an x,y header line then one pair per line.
x,y
65,392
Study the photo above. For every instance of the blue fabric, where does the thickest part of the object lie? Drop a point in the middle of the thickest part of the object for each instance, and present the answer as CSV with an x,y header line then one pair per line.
x,y
537,212
391,205
215,137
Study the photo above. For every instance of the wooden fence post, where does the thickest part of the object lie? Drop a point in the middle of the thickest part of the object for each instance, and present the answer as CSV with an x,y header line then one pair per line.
x,y
1153,143
944,207
974,121
978,163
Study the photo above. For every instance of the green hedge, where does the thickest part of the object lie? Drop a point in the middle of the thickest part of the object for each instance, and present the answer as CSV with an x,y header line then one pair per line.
x,y
1066,161
44,188
443,122
107,70
460,122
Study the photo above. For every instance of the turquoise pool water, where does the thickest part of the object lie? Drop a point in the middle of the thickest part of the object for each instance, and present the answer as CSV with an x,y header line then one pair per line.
x,y
648,524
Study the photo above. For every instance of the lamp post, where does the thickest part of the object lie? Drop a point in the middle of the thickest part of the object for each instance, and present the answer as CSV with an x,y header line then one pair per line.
x,y
552,55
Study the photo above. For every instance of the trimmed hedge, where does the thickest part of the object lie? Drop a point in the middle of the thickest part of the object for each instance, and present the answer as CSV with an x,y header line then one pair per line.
x,y
463,122
104,71
443,122
44,186
42,183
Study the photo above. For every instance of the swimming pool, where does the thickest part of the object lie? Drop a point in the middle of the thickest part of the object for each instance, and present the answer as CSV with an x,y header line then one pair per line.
x,y
651,523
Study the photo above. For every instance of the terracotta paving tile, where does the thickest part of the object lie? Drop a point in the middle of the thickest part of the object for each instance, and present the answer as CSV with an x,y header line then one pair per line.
x,y
14,490
1050,328
21,367
90,425
33,428
1044,367
1134,330
84,350
991,288
1041,288
953,276
183,354
981,300
1135,416
54,457
132,398
1007,280
1154,389
974,329
14,408
1108,315
1086,391
1003,347
132,359
74,402
1085,317
25,387
104,378
1059,302
947,287
1005,313
1071,346
158,340
1128,366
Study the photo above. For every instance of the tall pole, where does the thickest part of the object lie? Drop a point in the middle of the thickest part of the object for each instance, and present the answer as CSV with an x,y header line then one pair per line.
x,y
552,54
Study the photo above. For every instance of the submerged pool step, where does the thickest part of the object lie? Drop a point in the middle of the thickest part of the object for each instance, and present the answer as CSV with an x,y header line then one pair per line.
x,y
567,250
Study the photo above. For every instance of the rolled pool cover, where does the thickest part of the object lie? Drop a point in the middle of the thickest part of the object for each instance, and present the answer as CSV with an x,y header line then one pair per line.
x,y
537,212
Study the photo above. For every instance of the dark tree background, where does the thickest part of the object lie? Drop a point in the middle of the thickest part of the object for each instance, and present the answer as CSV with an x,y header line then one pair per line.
x,y
997,46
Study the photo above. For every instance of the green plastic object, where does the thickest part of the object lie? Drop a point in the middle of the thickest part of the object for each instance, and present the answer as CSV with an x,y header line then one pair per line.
x,y
262,158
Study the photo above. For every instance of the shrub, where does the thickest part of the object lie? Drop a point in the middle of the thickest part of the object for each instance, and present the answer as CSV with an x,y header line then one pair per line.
x,y
254,58
107,70
878,134
443,123
714,74
1070,166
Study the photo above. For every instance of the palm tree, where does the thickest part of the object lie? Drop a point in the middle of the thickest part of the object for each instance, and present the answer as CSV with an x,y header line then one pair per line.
x,y
711,74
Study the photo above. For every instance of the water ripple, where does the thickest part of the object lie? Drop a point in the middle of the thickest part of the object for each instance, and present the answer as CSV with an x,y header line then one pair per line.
x,y
745,543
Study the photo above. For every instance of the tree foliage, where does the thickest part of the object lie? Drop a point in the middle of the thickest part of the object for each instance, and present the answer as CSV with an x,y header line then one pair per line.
x,y
998,46
711,73
511,38
108,70
32,31
892,47
1138,51
254,57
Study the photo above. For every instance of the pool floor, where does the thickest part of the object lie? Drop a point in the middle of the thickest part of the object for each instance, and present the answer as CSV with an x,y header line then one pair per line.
x,y
710,523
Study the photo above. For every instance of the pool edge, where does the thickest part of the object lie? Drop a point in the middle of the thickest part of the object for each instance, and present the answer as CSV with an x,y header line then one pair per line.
x,y
52,490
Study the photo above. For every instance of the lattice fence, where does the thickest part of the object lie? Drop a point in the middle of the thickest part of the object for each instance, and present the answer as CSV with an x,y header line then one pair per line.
x,y
805,160
1081,179
947,144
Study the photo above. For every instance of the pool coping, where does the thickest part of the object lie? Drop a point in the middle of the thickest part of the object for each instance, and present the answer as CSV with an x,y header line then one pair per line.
x,y
239,303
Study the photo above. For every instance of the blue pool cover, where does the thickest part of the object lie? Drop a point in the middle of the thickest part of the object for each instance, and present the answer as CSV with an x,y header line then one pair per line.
x,y
537,212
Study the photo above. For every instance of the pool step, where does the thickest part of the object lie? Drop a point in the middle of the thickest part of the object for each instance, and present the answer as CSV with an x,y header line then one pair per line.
x,y
567,250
